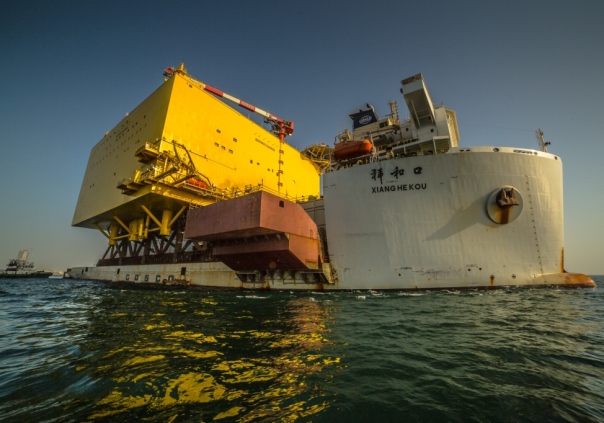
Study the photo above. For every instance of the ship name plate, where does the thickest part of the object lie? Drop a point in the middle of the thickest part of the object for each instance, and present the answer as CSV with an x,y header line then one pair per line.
x,y
378,174
400,187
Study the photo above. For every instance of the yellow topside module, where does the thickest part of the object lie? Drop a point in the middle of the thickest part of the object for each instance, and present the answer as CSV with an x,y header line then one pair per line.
x,y
183,146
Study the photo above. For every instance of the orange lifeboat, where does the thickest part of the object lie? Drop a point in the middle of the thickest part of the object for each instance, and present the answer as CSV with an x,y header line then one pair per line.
x,y
197,183
345,150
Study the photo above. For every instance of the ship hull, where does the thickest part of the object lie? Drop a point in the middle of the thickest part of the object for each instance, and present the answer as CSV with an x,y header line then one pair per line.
x,y
34,275
431,222
425,222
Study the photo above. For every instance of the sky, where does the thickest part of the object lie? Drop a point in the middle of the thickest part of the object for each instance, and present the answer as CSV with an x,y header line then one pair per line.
x,y
71,70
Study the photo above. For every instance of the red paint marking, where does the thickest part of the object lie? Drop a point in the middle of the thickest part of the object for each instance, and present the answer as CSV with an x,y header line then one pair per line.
x,y
213,90
247,106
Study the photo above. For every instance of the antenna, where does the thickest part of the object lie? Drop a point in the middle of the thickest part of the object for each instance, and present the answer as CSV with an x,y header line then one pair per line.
x,y
540,141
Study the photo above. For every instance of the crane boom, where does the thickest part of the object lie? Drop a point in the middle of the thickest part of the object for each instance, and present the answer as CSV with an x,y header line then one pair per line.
x,y
281,127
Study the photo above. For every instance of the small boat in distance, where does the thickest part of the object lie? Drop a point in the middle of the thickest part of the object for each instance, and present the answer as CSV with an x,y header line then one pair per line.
x,y
21,268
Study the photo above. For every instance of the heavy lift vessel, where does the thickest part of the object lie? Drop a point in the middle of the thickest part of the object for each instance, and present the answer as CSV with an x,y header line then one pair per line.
x,y
403,206
180,149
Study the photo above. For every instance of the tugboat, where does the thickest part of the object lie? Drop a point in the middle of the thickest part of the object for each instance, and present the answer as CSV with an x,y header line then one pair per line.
x,y
21,268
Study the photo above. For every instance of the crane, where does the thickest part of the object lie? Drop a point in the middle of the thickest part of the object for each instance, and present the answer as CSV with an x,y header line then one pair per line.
x,y
281,128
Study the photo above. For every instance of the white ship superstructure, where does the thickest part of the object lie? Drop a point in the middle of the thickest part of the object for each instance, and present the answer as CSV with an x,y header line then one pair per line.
x,y
420,212
20,265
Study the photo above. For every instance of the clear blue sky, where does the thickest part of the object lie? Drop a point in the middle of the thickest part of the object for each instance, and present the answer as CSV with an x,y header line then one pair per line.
x,y
72,69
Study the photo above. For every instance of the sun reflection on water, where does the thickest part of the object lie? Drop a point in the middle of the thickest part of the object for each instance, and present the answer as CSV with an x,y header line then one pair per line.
x,y
205,355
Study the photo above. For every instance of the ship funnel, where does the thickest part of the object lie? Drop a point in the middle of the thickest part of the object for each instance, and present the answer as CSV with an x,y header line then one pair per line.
x,y
418,100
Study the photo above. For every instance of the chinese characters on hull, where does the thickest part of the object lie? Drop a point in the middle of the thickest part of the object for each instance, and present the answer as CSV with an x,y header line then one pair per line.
x,y
378,174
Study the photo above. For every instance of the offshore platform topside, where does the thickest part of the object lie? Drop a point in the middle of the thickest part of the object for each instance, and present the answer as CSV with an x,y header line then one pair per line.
x,y
183,148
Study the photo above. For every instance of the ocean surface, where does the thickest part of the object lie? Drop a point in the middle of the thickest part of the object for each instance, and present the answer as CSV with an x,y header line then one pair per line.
x,y
77,351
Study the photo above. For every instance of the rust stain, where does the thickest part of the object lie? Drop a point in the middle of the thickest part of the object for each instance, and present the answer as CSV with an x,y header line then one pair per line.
x,y
562,261
504,218
492,280
579,280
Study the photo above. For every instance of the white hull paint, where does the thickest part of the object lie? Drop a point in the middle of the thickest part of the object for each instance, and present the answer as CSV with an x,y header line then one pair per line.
x,y
425,224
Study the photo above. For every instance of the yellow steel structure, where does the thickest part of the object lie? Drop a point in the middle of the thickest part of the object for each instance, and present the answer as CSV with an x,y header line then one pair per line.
x,y
182,147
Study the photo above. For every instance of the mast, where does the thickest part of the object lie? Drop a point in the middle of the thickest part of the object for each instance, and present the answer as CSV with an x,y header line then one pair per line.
x,y
541,141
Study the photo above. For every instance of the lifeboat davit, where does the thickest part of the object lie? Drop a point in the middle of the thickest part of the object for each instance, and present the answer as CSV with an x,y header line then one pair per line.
x,y
345,150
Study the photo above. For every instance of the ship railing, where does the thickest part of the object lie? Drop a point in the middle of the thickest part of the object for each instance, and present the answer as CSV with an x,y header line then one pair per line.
x,y
167,258
224,194
248,189
150,145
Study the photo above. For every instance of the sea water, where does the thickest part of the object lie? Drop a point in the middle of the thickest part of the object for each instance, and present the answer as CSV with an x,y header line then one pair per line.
x,y
77,351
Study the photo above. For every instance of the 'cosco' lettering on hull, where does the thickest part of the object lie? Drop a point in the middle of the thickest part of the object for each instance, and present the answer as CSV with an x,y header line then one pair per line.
x,y
403,187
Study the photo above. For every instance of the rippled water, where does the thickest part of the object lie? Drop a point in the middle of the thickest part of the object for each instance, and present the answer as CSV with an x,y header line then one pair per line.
x,y
75,351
